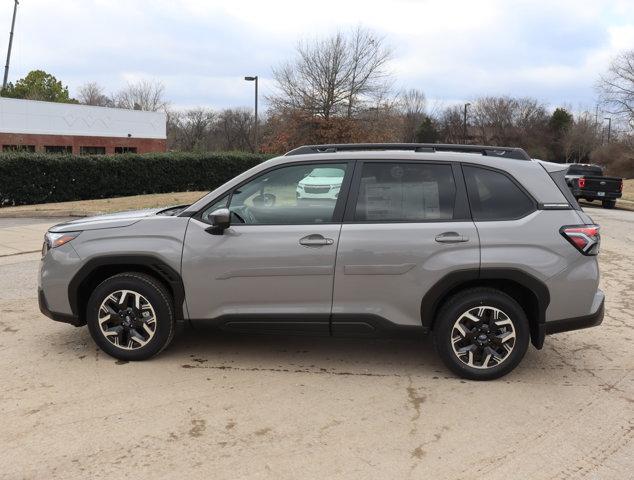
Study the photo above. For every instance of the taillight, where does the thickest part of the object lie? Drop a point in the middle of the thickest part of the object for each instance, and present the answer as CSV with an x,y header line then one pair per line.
x,y
621,186
585,238
581,182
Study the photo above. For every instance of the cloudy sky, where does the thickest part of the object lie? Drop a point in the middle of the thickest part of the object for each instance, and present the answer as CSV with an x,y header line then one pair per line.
x,y
201,49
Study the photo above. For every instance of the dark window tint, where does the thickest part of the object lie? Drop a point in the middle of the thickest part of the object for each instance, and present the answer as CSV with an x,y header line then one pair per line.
x,y
393,192
124,149
494,196
92,150
59,149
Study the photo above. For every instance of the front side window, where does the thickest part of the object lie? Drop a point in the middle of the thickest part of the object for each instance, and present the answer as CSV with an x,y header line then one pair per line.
x,y
494,196
405,192
293,195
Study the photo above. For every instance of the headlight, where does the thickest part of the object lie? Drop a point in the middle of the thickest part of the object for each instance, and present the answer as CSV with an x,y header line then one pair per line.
x,y
54,240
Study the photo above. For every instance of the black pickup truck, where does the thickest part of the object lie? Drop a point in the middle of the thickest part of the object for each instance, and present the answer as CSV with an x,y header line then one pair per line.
x,y
587,182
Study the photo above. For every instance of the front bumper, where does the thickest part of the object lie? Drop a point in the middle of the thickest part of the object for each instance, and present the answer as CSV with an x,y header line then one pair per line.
x,y
58,317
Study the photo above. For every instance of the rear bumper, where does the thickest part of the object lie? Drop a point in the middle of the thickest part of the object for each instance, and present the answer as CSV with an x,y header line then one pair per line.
x,y
58,317
575,323
595,194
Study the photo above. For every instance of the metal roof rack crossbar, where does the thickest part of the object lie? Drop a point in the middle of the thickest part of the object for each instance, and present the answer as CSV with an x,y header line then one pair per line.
x,y
488,150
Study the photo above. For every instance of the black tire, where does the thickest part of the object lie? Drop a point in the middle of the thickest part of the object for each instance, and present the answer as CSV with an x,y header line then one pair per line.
x,y
608,203
158,298
465,301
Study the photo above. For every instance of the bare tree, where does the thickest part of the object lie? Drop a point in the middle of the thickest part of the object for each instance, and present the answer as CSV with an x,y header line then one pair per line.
x,y
333,76
451,125
368,58
234,129
142,95
412,104
191,130
509,121
616,87
581,138
91,93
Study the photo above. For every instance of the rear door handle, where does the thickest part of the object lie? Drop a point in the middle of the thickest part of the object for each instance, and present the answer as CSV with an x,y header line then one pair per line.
x,y
315,240
451,237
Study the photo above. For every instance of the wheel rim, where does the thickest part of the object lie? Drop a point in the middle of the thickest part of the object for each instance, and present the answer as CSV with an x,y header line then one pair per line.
x,y
483,337
127,319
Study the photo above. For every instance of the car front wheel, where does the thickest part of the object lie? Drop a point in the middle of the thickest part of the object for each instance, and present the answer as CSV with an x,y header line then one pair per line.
x,y
130,316
481,333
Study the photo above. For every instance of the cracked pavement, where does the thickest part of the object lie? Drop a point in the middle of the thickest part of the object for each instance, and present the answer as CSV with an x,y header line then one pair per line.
x,y
229,406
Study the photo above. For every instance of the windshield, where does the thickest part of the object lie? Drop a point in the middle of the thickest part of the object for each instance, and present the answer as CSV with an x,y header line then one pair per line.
x,y
327,172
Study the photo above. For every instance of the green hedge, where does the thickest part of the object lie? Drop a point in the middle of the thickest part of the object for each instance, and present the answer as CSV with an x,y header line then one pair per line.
x,y
28,178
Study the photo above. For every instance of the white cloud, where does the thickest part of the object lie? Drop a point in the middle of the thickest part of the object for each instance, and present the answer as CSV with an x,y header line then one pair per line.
x,y
201,49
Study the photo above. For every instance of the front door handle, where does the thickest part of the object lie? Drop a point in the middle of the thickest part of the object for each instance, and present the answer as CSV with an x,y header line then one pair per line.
x,y
451,237
315,240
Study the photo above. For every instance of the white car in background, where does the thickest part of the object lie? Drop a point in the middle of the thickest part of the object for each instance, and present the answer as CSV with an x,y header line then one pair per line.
x,y
321,183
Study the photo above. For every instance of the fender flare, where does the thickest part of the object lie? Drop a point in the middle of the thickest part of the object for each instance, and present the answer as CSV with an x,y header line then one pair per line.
x,y
150,263
454,280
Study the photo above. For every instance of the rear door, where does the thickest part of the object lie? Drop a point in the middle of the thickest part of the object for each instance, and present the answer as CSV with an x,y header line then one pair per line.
x,y
406,226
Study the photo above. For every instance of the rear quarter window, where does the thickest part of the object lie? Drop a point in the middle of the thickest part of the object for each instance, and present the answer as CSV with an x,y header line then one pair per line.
x,y
494,196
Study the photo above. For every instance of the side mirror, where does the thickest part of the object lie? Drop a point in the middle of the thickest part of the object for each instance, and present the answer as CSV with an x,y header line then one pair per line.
x,y
220,221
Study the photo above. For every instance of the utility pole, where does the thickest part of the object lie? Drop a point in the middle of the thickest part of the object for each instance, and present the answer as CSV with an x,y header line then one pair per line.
x,y
255,79
464,124
6,67
609,119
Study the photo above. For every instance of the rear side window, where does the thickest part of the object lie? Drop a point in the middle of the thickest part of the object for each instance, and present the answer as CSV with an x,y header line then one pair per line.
x,y
494,196
405,192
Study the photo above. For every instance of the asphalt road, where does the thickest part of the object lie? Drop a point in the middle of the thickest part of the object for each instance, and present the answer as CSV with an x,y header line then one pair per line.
x,y
231,407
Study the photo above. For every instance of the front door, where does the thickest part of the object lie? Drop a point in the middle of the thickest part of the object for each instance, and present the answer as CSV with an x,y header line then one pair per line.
x,y
273,268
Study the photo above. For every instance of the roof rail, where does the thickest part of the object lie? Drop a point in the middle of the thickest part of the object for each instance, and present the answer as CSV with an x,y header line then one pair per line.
x,y
488,150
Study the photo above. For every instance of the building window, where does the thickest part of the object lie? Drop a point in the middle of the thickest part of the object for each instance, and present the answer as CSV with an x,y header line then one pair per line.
x,y
59,149
92,150
124,149
18,148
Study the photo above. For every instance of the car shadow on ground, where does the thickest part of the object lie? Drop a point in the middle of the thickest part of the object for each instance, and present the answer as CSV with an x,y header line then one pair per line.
x,y
207,345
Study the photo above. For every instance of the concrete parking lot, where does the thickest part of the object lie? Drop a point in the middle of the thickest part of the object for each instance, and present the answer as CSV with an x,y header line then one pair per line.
x,y
221,406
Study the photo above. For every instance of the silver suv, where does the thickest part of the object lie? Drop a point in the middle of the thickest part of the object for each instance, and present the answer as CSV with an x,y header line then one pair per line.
x,y
481,246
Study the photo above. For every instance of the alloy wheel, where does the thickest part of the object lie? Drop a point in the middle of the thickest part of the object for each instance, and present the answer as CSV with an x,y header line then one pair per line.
x,y
483,337
127,319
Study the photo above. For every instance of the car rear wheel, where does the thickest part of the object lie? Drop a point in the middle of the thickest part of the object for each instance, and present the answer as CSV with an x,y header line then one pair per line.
x,y
130,316
608,203
481,333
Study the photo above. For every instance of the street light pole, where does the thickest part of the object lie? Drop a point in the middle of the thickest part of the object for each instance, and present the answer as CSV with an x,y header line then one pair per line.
x,y
609,119
464,125
6,66
255,79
